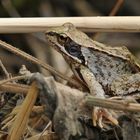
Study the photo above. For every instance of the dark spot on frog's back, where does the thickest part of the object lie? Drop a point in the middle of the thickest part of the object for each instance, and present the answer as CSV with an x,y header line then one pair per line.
x,y
109,73
88,57
111,65
107,67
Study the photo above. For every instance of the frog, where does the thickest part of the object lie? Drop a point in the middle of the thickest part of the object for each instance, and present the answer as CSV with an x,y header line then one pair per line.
x,y
100,67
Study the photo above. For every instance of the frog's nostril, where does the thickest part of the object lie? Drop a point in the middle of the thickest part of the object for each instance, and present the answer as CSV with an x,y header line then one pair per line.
x,y
51,33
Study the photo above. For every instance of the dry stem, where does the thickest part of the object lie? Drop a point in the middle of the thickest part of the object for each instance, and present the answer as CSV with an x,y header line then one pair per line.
x,y
36,61
4,69
96,24
112,104
90,100
22,117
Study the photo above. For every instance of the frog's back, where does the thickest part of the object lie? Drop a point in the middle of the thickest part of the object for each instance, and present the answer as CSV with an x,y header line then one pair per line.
x,y
107,67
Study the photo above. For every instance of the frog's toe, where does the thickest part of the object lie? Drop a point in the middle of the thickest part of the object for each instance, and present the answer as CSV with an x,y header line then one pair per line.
x,y
108,116
94,117
97,117
99,113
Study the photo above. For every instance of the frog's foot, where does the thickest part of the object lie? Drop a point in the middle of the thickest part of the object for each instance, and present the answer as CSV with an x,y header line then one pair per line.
x,y
97,115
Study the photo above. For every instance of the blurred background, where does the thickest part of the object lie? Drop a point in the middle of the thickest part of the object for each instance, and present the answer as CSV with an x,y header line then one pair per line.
x,y
36,45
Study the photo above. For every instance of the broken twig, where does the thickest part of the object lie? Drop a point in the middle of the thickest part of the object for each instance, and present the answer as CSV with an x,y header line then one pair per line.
x,y
113,104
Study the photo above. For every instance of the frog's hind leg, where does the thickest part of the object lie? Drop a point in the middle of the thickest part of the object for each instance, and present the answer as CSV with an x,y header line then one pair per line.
x,y
126,85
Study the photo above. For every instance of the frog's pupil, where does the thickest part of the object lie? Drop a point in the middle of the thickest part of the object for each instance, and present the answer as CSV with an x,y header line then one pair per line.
x,y
72,49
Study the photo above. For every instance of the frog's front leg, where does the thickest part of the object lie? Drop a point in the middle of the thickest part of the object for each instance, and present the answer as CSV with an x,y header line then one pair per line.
x,y
96,90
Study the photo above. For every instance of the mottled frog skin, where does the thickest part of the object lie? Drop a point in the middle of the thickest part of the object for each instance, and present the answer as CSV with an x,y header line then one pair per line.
x,y
107,68
106,63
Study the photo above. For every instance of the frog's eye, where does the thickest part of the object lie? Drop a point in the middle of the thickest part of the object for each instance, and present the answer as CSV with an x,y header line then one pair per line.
x,y
73,50
62,39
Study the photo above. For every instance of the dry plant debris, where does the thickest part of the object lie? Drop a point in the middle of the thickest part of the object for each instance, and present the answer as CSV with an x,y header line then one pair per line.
x,y
35,122
47,110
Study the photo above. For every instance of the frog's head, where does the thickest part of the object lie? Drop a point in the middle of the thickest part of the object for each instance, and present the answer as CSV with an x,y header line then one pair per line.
x,y
68,41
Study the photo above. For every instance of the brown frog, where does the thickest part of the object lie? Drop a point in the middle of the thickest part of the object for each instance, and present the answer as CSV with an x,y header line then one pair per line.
x,y
102,68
